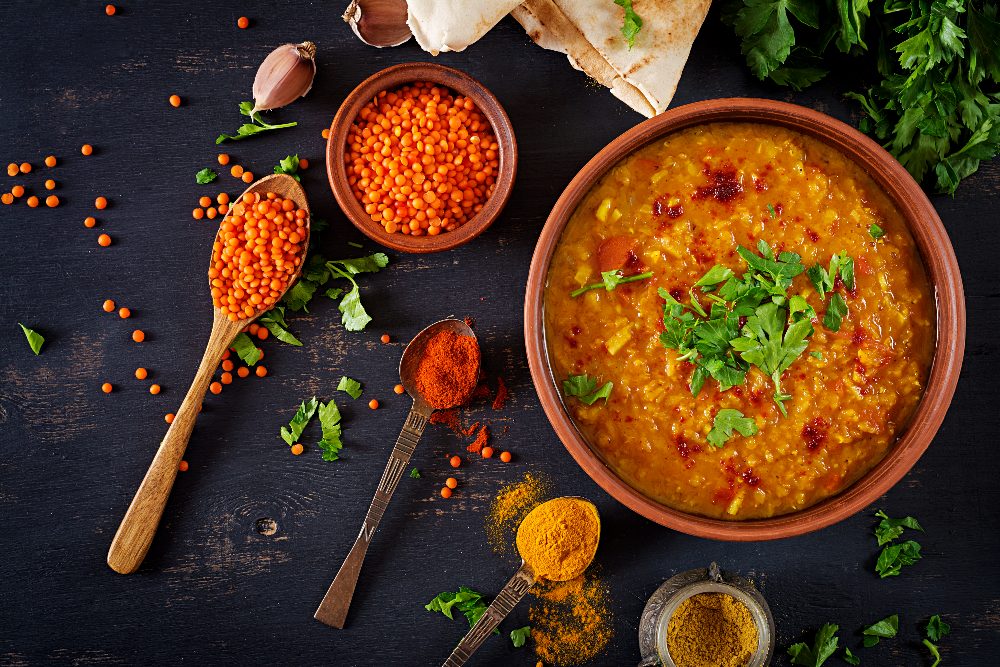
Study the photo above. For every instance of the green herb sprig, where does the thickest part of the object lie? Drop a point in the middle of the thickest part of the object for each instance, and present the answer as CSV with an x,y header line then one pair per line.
x,y
35,339
824,645
895,556
205,176
631,24
585,389
610,280
289,165
255,126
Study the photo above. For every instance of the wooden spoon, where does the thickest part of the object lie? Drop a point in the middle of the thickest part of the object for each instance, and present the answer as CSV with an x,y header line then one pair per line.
x,y
506,600
135,534
333,609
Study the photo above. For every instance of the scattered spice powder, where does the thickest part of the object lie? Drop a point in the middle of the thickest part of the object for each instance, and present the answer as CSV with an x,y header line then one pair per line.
x,y
711,630
448,370
571,620
481,439
511,504
501,398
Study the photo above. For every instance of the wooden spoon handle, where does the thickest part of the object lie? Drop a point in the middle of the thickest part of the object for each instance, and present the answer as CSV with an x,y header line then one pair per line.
x,y
333,608
135,534
504,603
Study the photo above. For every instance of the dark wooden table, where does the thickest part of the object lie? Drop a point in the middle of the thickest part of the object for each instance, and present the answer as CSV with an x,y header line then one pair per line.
x,y
252,536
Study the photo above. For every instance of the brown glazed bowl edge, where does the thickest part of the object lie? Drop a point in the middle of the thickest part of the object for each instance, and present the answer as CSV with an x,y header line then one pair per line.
x,y
939,260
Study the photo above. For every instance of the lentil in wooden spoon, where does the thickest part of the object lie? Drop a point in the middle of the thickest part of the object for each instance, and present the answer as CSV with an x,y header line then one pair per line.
x,y
257,256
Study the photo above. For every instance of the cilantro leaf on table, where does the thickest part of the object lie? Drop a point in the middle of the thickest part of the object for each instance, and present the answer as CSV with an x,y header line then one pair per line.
x,y
585,388
290,434
274,320
824,646
726,422
632,23
349,386
414,474
835,312
766,32
518,636
465,600
329,421
895,556
246,349
255,126
35,339
610,280
299,296
889,529
936,628
935,653
850,658
205,176
884,629
289,166
353,314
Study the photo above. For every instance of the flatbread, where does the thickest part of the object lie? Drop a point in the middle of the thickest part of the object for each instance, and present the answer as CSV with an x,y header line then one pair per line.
x,y
452,25
589,33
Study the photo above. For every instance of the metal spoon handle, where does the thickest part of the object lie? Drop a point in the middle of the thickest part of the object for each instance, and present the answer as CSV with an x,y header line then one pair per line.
x,y
504,603
333,609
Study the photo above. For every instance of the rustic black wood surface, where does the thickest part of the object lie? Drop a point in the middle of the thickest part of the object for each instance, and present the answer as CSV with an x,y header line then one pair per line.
x,y
252,536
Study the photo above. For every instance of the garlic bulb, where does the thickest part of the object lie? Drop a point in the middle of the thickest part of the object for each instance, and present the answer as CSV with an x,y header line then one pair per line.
x,y
378,22
284,76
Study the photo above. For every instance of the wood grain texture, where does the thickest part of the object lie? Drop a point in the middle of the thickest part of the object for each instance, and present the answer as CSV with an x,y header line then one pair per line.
x,y
252,536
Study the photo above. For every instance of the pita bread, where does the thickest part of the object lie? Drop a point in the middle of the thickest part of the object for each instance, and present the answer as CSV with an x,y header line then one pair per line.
x,y
589,32
452,25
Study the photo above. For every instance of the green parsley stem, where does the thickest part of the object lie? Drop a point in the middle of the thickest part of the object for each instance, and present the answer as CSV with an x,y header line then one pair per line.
x,y
628,279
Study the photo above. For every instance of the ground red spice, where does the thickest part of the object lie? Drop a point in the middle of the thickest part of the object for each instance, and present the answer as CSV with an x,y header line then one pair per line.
x,y
502,393
482,438
448,370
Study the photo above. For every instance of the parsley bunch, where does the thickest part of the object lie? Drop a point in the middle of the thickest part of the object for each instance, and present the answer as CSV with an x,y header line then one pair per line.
x,y
776,330
936,105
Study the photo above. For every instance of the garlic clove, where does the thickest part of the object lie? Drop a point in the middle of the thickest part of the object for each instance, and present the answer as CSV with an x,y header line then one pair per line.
x,y
285,75
378,22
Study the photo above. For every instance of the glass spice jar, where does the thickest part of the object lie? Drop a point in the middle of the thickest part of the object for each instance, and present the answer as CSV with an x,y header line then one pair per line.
x,y
674,591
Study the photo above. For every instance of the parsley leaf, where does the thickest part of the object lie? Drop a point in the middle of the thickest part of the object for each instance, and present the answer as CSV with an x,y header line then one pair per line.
x,y
290,166
632,23
329,421
585,389
726,421
889,529
850,658
255,126
884,629
936,628
35,339
299,296
350,386
274,320
875,231
895,556
466,600
611,280
824,646
353,313
717,274
935,653
414,474
205,176
245,349
835,312
290,434
518,636
770,209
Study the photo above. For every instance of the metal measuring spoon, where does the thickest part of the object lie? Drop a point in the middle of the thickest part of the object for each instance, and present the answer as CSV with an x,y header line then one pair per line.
x,y
333,609
509,596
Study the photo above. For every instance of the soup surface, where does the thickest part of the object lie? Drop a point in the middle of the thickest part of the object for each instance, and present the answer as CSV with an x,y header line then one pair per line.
x,y
679,209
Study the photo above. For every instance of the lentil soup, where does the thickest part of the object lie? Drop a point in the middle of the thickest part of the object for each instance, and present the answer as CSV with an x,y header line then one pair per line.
x,y
683,205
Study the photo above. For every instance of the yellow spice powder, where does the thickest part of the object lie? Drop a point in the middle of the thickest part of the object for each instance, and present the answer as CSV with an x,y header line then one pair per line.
x,y
570,620
711,630
511,505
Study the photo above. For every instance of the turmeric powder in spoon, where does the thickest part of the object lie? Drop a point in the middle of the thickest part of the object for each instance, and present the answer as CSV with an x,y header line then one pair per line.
x,y
558,539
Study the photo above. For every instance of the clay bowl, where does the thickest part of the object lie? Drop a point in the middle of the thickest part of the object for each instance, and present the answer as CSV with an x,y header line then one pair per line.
x,y
390,79
931,239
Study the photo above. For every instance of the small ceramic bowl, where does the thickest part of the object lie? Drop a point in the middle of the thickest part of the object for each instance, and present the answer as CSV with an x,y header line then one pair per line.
x,y
391,79
942,271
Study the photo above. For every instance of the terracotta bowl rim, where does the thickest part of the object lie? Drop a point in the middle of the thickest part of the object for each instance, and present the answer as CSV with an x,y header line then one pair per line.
x,y
939,260
389,79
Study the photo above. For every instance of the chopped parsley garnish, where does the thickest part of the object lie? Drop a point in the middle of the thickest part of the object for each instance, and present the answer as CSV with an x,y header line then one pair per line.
x,y
291,433
823,279
631,24
518,636
875,231
585,388
824,646
611,280
329,421
726,421
350,386
466,600
245,349
816,355
850,658
255,126
889,529
414,474
936,628
35,339
274,320
770,209
884,629
289,165
320,271
205,176
835,312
